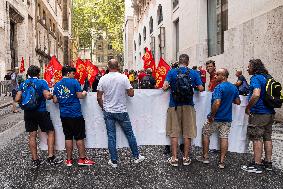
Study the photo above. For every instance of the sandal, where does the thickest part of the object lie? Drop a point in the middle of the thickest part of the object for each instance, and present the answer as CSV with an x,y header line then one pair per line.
x,y
221,165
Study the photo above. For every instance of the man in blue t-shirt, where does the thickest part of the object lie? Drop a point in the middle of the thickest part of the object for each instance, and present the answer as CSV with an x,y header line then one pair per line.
x,y
39,117
220,117
68,92
261,119
181,117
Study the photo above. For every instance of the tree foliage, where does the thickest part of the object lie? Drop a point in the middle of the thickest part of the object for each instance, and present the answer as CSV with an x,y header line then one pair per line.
x,y
101,16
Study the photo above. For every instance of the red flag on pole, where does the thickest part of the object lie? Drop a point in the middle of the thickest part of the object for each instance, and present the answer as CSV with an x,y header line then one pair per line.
x,y
92,71
149,61
81,73
161,72
22,68
53,71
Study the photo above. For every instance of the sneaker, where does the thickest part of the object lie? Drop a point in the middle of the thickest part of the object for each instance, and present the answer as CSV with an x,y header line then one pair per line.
x,y
258,168
54,160
36,163
187,161
69,162
173,162
248,166
113,163
85,161
267,165
203,159
139,159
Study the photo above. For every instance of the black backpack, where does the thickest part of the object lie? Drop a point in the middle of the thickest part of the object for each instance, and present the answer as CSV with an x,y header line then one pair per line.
x,y
273,97
183,90
146,83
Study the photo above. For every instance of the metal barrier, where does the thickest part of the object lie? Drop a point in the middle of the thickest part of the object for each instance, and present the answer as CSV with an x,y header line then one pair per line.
x,y
5,87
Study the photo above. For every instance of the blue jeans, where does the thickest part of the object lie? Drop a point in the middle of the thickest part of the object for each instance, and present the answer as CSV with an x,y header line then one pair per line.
x,y
125,123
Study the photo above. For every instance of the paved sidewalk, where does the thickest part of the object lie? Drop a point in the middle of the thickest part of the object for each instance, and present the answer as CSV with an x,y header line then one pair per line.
x,y
5,100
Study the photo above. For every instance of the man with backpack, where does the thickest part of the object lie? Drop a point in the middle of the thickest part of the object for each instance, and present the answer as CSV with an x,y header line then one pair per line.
x,y
261,116
220,117
68,92
148,81
32,96
242,84
181,117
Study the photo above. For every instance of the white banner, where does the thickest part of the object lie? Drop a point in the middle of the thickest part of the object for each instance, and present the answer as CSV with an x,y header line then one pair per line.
x,y
147,110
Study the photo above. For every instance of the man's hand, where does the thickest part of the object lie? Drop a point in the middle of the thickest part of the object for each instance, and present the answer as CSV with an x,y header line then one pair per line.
x,y
210,119
84,93
165,86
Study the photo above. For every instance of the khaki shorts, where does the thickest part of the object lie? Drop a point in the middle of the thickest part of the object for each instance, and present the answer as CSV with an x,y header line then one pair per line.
x,y
222,127
181,121
260,127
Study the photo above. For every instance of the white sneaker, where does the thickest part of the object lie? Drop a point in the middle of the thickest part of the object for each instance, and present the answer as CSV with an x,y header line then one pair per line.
x,y
114,165
139,159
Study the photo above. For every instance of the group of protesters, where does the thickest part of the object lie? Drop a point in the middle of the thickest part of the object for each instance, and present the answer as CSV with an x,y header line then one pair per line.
x,y
112,91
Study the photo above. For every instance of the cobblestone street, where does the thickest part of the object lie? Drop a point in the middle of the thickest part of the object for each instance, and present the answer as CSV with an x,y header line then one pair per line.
x,y
15,170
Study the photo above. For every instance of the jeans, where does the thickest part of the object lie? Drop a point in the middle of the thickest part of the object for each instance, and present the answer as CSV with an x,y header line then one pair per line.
x,y
125,123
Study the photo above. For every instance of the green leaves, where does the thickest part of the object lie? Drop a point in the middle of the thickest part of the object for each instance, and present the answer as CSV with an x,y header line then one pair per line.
x,y
102,16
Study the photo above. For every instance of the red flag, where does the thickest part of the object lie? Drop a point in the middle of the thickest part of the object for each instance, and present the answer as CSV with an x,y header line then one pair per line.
x,y
91,70
149,61
102,71
81,73
161,72
22,68
53,71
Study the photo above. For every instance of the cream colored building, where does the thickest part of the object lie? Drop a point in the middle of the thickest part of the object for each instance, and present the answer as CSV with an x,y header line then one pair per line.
x,y
101,50
34,30
231,32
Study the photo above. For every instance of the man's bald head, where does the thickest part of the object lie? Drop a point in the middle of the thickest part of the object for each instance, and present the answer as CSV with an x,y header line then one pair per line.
x,y
113,64
224,72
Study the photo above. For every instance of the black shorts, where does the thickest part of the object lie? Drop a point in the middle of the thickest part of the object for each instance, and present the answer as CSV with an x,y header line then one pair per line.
x,y
73,128
14,92
33,119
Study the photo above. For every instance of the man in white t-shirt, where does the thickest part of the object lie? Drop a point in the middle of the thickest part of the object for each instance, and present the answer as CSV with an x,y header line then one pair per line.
x,y
115,87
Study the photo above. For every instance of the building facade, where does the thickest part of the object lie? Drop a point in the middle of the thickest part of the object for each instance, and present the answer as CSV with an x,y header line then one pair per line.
x,y
231,32
35,30
101,50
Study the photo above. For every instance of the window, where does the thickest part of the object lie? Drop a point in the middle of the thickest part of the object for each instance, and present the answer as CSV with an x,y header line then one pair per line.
x,y
144,33
176,24
150,25
100,59
159,14
44,17
135,45
139,39
175,3
217,24
99,47
161,38
110,47
100,37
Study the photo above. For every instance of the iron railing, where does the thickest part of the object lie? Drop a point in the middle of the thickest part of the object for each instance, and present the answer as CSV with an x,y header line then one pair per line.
x,y
5,87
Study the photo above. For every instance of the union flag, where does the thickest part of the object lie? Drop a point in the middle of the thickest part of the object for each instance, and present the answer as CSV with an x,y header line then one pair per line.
x,y
149,61
161,72
81,73
91,70
53,71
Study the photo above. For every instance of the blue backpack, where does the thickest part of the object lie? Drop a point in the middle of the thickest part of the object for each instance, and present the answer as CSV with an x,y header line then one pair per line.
x,y
30,97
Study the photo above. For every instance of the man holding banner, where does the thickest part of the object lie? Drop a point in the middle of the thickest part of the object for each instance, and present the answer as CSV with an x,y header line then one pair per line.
x,y
115,87
68,92
181,117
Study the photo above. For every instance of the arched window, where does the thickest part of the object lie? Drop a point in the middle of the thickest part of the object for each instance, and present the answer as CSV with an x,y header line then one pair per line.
x,y
144,33
139,39
159,14
135,45
150,25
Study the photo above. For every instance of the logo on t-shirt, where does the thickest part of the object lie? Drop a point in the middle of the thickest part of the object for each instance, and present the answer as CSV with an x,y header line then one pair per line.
x,y
64,92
